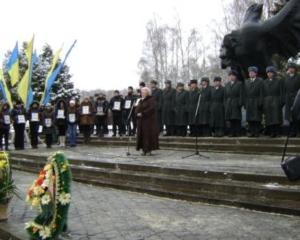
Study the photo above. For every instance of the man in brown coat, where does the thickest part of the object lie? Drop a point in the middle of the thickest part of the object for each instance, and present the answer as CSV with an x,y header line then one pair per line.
x,y
147,126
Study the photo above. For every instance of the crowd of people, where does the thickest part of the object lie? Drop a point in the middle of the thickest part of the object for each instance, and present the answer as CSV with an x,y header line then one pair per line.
x,y
196,110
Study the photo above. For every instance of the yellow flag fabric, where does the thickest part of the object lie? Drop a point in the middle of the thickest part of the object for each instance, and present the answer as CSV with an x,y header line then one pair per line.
x,y
6,94
14,73
23,87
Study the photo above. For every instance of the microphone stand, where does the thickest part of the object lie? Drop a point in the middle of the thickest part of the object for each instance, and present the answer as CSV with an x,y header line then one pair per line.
x,y
197,152
128,121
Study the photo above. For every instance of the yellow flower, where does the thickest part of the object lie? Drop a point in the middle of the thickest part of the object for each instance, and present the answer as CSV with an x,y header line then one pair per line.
x,y
47,167
36,202
3,164
38,190
64,167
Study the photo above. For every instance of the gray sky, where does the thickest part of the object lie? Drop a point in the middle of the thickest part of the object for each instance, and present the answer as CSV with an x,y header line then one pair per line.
x,y
110,33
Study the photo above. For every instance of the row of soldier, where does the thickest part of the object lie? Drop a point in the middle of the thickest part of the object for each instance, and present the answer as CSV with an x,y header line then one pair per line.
x,y
221,106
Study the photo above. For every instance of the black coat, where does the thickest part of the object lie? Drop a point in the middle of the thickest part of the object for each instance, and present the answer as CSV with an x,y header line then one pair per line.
x,y
233,101
47,117
192,106
101,104
291,87
273,101
157,95
181,113
217,111
126,111
168,107
204,106
61,121
254,100
112,105
15,113
5,119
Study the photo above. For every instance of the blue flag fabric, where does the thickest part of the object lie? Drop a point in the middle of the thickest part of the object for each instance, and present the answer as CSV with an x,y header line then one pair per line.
x,y
54,75
35,60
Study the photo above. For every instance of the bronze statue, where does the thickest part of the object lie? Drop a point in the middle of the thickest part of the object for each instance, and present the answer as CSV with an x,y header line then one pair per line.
x,y
257,41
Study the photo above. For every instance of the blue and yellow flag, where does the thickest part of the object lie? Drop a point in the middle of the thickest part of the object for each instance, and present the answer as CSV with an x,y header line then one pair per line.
x,y
12,66
25,83
53,65
52,77
4,90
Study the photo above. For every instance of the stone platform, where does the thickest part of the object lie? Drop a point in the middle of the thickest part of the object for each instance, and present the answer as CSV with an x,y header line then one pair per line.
x,y
248,181
108,214
243,145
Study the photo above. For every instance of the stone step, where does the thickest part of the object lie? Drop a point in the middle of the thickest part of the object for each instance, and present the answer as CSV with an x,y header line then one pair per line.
x,y
171,171
247,148
255,195
265,205
211,140
193,185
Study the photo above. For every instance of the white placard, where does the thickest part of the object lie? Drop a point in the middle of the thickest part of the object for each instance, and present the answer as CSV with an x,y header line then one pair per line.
x,y
127,104
61,114
100,111
6,119
72,117
34,117
21,119
48,122
40,129
137,102
117,106
85,110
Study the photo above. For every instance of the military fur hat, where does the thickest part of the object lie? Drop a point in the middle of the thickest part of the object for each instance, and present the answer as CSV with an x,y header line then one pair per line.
x,y
271,69
205,79
253,69
194,81
217,79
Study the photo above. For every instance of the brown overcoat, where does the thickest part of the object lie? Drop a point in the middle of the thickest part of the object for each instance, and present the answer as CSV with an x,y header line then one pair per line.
x,y
86,119
147,126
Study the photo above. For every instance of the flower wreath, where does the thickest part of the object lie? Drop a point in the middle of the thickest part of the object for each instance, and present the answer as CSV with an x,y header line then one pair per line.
x,y
7,186
50,193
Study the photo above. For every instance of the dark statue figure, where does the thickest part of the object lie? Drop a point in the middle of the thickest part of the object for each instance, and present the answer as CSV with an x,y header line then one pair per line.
x,y
257,41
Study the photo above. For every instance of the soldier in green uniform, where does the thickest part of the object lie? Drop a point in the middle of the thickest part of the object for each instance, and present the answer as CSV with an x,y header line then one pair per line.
x,y
291,87
181,113
234,103
192,107
273,101
217,111
203,116
254,101
157,94
168,110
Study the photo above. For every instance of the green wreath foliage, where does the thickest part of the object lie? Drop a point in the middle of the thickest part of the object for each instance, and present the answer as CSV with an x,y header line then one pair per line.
x,y
50,193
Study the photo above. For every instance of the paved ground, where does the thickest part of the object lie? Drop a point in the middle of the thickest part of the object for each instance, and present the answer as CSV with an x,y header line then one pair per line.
x,y
101,213
225,162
